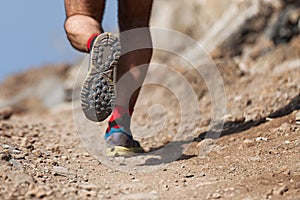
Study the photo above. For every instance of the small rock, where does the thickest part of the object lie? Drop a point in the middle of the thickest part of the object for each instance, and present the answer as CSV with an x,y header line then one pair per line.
x,y
248,102
6,113
5,146
248,142
202,174
46,153
232,169
231,139
229,189
255,159
280,190
72,181
85,193
88,187
261,139
19,156
86,154
287,172
65,158
136,180
61,171
216,195
4,155
166,187
269,193
189,176
15,151
239,118
238,98
85,179
269,119
37,153
228,118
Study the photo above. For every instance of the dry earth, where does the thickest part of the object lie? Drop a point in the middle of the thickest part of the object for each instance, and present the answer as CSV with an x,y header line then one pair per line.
x,y
256,157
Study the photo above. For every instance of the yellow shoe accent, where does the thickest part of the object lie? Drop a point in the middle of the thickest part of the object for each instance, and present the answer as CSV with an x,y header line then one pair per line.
x,y
117,151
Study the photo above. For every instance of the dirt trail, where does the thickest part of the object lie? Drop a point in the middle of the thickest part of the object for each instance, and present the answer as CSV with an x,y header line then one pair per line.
x,y
256,157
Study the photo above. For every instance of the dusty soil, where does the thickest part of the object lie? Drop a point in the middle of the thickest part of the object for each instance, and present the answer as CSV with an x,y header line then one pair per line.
x,y
256,157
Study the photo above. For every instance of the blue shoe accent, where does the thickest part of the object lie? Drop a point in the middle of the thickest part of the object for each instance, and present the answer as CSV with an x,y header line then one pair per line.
x,y
116,130
121,143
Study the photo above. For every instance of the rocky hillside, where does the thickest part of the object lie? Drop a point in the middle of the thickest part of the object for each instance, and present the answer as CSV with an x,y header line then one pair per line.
x,y
257,155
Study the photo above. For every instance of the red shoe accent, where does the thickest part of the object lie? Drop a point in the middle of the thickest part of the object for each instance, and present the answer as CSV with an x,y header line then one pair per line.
x,y
120,111
90,40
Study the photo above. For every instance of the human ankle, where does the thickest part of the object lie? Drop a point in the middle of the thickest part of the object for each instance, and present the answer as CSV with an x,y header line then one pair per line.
x,y
120,119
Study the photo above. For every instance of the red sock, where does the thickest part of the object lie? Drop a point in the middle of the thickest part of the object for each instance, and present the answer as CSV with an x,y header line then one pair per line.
x,y
120,111
120,118
91,40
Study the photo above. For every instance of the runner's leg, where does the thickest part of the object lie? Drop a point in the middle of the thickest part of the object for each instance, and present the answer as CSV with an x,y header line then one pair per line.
x,y
130,76
84,19
133,14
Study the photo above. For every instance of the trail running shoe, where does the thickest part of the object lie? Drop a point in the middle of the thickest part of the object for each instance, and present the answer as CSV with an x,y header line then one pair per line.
x,y
97,92
119,143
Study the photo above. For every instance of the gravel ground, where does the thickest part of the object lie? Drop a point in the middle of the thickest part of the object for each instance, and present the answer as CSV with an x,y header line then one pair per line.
x,y
256,157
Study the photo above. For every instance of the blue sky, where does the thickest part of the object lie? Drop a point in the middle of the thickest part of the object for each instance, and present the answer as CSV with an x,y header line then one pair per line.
x,y
32,34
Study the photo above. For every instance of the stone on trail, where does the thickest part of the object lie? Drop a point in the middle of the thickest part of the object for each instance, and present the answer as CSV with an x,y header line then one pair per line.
x,y
88,187
61,171
280,190
5,113
216,195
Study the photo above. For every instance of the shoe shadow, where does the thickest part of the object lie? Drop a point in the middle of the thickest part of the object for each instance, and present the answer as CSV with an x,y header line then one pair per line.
x,y
232,128
167,153
176,148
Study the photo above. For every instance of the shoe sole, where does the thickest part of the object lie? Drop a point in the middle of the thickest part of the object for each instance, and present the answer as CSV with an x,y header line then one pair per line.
x,y
118,151
97,92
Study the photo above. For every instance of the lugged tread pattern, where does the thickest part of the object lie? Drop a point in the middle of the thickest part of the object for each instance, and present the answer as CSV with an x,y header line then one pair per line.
x,y
97,92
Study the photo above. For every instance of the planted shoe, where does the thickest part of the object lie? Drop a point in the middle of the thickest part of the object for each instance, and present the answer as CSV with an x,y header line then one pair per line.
x,y
120,143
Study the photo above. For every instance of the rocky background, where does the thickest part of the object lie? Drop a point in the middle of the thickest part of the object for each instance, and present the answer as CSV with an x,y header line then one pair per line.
x,y
256,46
